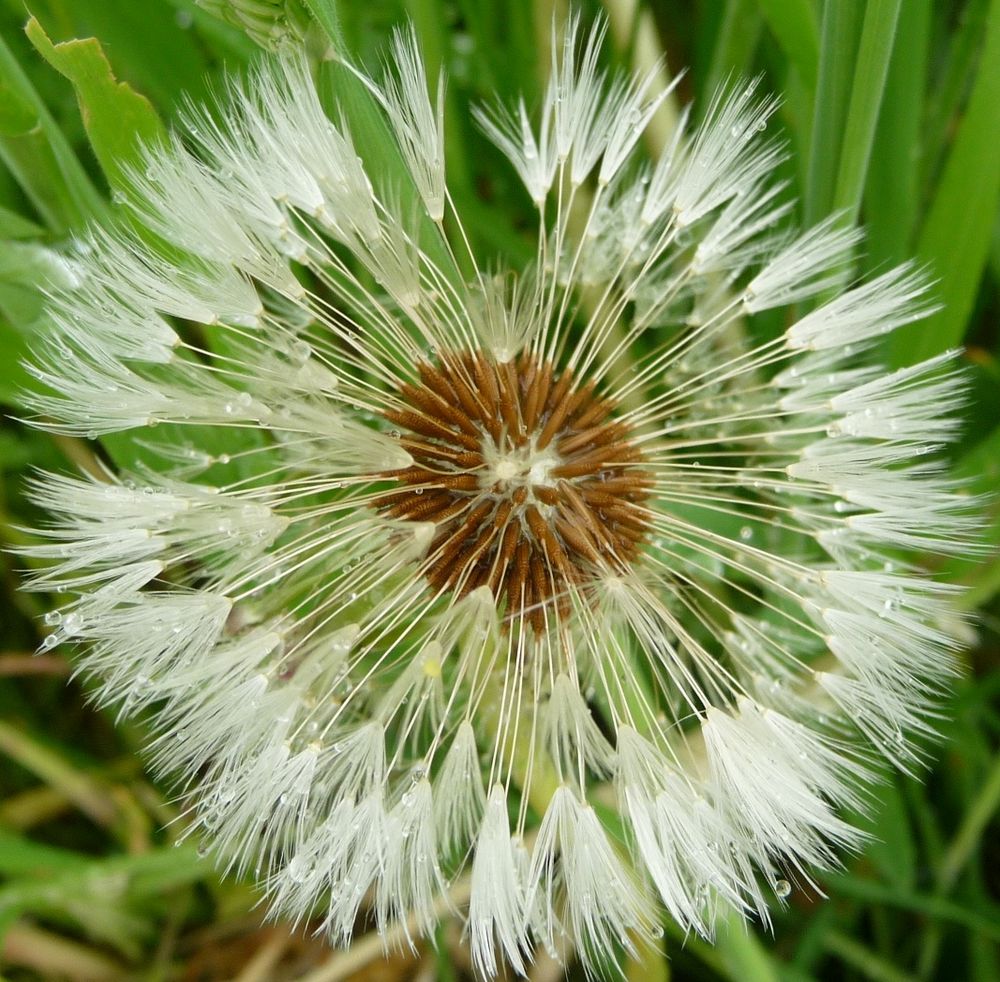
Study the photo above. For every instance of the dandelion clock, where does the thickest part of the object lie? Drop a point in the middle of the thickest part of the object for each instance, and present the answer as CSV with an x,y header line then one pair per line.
x,y
549,592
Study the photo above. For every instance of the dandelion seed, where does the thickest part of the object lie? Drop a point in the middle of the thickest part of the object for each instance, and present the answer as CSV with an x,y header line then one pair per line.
x,y
437,555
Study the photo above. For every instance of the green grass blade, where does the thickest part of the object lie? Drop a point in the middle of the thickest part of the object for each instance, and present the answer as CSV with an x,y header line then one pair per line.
x,y
735,42
866,961
743,956
892,196
968,837
793,23
20,856
874,51
929,905
956,237
838,40
952,85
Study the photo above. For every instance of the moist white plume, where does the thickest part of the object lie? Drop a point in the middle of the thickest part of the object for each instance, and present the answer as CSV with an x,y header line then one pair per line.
x,y
268,317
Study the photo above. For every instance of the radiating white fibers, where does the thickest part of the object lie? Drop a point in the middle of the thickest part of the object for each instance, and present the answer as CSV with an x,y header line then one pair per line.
x,y
426,564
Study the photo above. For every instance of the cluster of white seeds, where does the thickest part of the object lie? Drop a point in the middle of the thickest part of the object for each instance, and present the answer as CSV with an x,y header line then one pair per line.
x,y
353,724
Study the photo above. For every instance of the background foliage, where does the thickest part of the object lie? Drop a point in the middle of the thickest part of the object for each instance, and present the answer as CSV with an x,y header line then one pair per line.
x,y
892,113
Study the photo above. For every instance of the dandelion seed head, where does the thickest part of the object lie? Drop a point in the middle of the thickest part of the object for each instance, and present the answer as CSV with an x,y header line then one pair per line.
x,y
421,559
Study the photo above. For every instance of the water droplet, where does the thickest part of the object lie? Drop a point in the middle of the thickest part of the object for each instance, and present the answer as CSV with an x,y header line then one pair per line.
x,y
72,624
298,870
782,888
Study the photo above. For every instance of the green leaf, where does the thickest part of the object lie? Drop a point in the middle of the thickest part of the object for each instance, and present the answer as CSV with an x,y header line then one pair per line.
x,y
38,155
32,265
874,50
118,120
956,237
972,831
153,46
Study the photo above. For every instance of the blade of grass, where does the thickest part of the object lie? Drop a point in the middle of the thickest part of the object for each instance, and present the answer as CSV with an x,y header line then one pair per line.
x,y
891,201
871,965
744,958
979,472
838,41
892,851
929,905
968,837
85,792
945,97
736,39
105,896
955,239
793,23
55,957
874,51
20,856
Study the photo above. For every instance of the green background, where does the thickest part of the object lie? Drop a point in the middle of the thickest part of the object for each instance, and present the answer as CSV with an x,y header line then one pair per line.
x,y
891,110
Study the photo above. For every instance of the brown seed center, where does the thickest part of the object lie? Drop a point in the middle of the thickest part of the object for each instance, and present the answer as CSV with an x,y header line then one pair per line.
x,y
534,487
